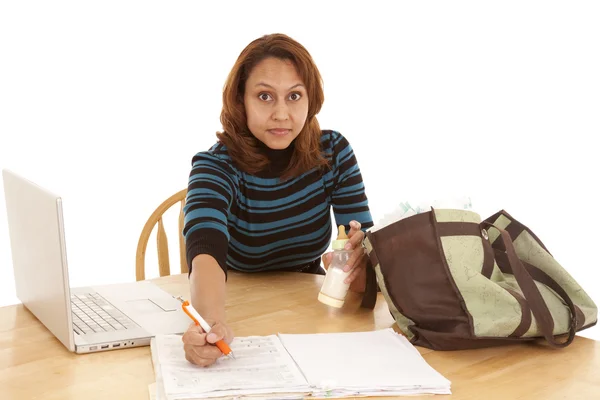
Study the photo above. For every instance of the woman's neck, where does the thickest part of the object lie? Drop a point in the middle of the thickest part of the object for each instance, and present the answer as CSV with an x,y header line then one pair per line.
x,y
279,159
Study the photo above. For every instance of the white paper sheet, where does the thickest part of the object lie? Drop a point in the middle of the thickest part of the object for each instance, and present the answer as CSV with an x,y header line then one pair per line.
x,y
363,362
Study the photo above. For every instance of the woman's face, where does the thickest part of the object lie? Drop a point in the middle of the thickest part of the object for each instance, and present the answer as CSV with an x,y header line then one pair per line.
x,y
276,102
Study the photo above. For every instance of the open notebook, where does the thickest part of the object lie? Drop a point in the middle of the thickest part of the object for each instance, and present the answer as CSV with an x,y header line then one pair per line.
x,y
376,363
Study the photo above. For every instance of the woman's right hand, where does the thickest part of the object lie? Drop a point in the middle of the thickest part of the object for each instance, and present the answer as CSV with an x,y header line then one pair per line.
x,y
199,347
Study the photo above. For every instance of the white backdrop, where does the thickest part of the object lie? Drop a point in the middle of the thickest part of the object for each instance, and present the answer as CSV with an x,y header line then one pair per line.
x,y
106,104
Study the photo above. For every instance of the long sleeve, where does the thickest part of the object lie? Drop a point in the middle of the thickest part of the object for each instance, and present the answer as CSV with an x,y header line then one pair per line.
x,y
211,190
348,199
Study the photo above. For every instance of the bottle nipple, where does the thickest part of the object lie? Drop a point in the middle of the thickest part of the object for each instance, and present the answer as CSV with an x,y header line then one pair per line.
x,y
341,239
342,233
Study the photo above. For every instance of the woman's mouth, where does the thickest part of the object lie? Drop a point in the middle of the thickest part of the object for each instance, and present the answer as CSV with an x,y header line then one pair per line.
x,y
279,131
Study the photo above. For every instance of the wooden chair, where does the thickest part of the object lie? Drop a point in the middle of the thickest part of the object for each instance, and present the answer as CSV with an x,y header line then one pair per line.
x,y
161,239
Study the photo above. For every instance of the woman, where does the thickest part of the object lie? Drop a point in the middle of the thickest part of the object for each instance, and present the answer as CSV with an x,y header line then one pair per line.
x,y
259,199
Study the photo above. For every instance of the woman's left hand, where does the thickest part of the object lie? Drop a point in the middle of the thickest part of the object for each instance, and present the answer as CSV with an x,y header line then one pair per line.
x,y
357,263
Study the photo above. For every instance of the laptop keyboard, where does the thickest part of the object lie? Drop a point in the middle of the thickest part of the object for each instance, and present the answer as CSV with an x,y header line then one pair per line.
x,y
92,314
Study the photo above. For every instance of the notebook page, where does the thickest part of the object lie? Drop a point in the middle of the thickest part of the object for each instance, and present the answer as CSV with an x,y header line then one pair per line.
x,y
363,361
261,363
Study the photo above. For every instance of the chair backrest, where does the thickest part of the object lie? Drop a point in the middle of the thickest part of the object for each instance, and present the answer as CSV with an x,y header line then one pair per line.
x,y
161,239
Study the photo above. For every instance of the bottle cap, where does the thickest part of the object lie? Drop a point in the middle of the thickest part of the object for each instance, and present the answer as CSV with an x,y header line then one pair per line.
x,y
330,301
341,240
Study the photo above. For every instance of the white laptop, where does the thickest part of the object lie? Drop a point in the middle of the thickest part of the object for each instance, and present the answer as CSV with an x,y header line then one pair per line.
x,y
85,320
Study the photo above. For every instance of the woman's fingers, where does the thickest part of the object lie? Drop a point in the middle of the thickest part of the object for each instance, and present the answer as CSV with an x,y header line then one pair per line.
x,y
199,347
353,274
354,228
355,235
355,243
200,356
194,336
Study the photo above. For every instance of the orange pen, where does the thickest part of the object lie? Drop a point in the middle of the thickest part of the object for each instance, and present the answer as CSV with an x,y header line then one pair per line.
x,y
199,321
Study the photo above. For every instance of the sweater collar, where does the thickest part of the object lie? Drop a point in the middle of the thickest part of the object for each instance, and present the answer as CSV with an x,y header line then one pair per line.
x,y
278,159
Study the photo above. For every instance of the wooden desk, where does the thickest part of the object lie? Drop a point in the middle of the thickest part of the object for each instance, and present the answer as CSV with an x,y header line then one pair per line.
x,y
34,365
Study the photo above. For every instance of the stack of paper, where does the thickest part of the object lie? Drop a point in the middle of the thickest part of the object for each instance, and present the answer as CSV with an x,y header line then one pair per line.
x,y
262,366
377,363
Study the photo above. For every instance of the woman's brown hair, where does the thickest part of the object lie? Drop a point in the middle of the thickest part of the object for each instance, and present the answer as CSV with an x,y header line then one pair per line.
x,y
242,146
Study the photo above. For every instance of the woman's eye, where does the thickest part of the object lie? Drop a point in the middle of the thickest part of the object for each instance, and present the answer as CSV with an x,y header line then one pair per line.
x,y
295,96
264,96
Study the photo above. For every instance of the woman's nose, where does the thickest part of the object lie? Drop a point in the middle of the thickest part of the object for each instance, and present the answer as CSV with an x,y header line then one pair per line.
x,y
280,113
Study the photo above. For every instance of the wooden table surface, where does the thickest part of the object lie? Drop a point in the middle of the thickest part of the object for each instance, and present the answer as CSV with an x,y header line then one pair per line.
x,y
35,365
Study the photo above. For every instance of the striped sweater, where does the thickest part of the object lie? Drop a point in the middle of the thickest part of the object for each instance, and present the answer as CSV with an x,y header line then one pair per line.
x,y
260,223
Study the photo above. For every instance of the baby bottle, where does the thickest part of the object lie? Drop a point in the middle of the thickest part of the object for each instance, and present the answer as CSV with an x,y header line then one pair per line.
x,y
333,291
